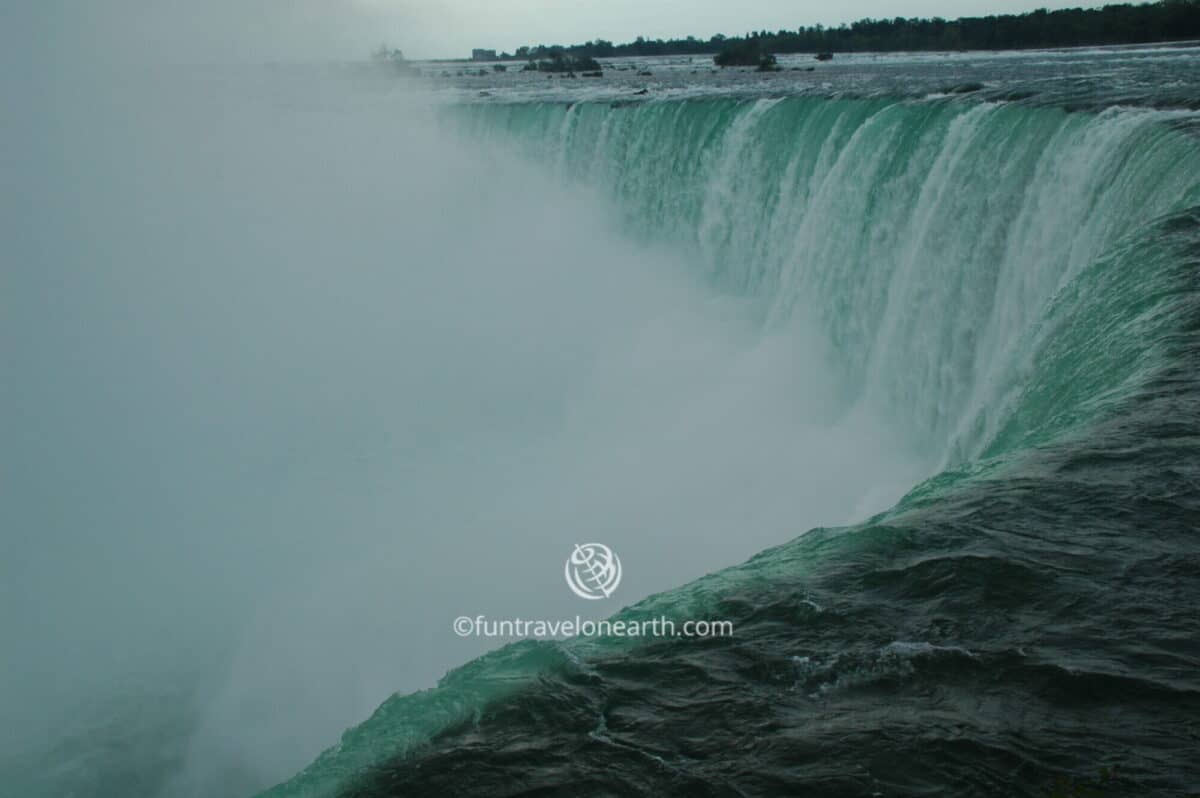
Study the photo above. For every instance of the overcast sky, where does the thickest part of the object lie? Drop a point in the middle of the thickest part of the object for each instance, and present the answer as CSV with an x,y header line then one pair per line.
x,y
290,30
453,27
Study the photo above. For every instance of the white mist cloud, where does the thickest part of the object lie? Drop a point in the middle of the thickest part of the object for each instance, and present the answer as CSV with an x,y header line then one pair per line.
x,y
216,31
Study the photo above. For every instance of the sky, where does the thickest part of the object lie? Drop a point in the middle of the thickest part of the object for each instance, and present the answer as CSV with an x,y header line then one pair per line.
x,y
319,30
436,28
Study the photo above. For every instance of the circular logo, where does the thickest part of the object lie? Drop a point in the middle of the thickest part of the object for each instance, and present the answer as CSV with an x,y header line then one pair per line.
x,y
593,571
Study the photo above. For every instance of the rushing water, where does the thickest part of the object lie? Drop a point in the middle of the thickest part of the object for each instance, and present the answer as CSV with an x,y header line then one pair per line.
x,y
958,332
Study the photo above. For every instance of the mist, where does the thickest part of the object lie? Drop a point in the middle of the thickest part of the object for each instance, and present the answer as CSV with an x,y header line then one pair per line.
x,y
294,377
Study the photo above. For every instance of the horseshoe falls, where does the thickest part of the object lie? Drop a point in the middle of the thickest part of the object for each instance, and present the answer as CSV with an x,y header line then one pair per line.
x,y
1012,289
308,365
979,214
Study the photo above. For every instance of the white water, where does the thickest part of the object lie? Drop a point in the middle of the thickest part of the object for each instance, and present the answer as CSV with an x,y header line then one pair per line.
x,y
922,241
293,378
296,379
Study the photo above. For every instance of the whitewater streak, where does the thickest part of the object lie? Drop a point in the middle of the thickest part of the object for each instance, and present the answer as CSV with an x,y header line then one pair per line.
x,y
987,276
926,237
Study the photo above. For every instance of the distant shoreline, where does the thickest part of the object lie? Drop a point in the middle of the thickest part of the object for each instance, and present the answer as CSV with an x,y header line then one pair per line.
x,y
1180,44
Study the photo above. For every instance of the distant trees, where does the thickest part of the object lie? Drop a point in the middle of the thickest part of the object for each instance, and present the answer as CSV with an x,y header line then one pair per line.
x,y
560,61
746,52
1162,21
743,52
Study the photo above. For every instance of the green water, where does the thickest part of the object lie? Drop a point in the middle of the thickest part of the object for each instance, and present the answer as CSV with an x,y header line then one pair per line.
x,y
999,281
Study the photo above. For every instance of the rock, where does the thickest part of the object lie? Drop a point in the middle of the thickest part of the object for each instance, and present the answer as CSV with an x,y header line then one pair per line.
x,y
561,62
747,52
824,56
768,64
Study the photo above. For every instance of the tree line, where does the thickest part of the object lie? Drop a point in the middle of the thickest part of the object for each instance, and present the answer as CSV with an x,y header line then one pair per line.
x,y
1166,20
